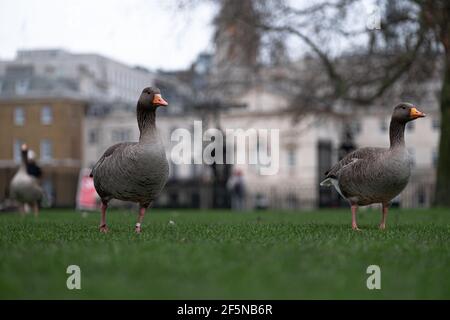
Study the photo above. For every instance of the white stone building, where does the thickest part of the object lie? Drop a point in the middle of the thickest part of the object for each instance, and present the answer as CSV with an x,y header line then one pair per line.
x,y
295,185
96,76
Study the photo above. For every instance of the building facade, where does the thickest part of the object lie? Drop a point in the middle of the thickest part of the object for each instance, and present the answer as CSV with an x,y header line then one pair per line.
x,y
44,98
51,127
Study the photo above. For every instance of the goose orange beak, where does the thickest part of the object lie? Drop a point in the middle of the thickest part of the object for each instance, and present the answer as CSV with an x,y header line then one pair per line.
x,y
159,101
414,113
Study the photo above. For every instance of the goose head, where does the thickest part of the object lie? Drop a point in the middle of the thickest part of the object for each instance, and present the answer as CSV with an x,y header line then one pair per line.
x,y
405,112
24,149
151,98
24,154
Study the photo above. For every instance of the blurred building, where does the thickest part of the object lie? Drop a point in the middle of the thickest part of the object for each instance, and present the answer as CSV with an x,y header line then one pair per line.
x,y
96,76
47,115
44,98
306,149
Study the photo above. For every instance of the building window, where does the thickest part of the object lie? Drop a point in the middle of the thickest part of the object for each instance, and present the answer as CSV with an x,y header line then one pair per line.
x,y
292,158
22,86
46,115
120,135
410,126
436,124
46,150
19,116
49,69
17,151
356,127
93,136
383,125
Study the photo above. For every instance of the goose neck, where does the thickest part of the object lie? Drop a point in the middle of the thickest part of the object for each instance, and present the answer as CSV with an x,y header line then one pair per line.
x,y
146,122
397,134
23,159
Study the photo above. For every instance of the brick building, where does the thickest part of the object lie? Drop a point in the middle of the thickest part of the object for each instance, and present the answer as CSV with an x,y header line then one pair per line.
x,y
48,116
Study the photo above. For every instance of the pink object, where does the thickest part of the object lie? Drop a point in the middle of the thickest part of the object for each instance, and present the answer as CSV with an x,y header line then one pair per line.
x,y
87,196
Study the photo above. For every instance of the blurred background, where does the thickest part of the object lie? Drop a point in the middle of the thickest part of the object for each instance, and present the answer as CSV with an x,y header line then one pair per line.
x,y
325,73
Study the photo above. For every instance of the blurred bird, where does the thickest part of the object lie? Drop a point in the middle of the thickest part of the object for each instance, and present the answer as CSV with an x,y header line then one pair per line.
x,y
32,167
376,175
134,171
24,187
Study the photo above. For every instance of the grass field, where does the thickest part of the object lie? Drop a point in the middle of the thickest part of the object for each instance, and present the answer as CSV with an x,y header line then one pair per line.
x,y
218,254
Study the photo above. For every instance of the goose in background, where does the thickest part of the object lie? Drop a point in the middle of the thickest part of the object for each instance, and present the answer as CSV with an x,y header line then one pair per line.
x,y
376,175
134,171
24,187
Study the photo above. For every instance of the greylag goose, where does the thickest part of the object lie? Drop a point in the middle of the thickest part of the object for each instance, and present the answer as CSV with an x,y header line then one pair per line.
x,y
24,187
376,175
134,171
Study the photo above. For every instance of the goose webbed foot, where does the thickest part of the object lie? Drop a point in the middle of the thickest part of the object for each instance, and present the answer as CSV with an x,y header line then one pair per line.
x,y
103,228
382,226
137,228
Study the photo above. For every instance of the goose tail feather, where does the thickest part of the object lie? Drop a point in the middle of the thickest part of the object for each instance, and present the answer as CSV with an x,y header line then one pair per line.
x,y
326,183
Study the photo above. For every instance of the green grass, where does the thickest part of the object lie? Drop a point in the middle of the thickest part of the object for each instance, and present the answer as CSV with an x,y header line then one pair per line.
x,y
223,255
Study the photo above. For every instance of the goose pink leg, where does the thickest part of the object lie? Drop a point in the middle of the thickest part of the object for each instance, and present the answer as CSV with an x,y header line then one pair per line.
x,y
140,219
103,227
384,216
354,224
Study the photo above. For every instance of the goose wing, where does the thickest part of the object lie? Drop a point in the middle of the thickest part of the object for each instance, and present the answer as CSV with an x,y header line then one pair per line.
x,y
352,158
111,152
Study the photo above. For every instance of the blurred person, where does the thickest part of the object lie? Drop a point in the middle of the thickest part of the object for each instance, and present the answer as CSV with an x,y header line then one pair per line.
x,y
236,187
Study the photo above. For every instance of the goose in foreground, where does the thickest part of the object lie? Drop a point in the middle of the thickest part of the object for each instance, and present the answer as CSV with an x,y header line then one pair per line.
x,y
376,175
134,171
24,187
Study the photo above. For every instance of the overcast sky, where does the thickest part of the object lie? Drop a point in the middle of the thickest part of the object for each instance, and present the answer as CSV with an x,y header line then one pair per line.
x,y
150,33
